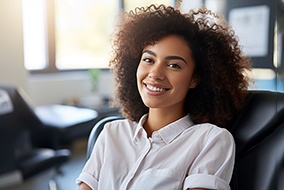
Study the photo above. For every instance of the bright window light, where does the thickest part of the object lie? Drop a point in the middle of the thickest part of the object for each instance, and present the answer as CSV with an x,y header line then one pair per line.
x,y
82,32
35,53
132,4
186,6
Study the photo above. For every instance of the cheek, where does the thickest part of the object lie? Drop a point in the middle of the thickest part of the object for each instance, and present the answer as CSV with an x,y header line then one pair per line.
x,y
140,73
183,88
183,84
139,76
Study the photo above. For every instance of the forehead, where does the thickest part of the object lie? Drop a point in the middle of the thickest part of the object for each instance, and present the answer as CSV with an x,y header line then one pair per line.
x,y
171,44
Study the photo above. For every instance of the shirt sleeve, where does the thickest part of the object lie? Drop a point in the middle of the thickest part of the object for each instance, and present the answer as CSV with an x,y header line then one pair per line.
x,y
91,171
213,167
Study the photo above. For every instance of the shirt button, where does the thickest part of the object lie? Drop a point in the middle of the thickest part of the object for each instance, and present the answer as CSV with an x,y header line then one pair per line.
x,y
155,135
131,174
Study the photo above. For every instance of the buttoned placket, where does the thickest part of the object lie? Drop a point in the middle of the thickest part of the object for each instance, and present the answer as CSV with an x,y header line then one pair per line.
x,y
132,172
150,142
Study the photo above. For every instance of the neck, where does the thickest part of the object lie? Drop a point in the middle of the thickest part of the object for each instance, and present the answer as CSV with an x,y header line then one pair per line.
x,y
159,118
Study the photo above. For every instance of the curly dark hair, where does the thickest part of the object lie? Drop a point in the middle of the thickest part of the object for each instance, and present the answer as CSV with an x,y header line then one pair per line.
x,y
219,61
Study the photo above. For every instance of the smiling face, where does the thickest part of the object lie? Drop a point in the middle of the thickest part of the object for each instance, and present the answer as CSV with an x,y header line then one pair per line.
x,y
165,73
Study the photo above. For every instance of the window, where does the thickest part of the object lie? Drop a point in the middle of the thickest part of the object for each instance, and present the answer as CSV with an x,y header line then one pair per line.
x,y
64,35
82,31
34,32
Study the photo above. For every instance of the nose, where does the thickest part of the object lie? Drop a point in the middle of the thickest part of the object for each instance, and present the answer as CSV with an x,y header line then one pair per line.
x,y
156,73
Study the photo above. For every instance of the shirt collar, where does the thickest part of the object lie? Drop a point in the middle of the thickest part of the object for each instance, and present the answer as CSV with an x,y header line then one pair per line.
x,y
169,132
139,128
174,129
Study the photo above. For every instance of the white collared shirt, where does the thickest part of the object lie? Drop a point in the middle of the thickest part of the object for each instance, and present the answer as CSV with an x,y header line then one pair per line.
x,y
180,155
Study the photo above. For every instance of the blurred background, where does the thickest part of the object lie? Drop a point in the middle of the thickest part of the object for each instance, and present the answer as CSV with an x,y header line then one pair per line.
x,y
57,51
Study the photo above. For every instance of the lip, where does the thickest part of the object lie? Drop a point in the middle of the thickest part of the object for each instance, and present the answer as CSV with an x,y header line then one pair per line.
x,y
155,89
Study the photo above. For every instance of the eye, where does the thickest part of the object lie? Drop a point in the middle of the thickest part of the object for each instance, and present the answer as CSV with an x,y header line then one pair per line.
x,y
174,66
147,60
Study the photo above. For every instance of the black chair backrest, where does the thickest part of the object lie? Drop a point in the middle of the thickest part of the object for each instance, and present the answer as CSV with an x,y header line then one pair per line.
x,y
259,135
263,113
22,114
262,167
16,118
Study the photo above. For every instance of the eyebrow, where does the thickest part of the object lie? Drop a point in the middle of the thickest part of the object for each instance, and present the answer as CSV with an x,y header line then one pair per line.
x,y
171,57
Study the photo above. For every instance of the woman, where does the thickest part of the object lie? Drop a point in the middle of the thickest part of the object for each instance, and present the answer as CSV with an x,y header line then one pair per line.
x,y
180,81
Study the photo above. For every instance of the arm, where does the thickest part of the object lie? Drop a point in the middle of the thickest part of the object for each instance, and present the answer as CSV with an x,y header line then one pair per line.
x,y
84,186
88,178
213,167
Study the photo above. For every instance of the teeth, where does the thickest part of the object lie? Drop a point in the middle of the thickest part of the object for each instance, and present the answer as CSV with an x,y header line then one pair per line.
x,y
156,89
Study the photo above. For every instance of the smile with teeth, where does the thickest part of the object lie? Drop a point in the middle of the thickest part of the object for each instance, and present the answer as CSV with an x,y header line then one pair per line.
x,y
155,89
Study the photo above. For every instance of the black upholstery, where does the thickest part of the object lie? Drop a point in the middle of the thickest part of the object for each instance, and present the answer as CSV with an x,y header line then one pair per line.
x,y
62,124
261,166
18,157
259,135
52,126
264,112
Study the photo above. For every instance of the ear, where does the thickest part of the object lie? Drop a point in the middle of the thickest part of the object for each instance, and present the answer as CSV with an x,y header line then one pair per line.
x,y
194,82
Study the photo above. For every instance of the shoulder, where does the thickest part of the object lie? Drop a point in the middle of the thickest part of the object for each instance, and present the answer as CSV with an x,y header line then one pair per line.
x,y
120,122
210,132
209,129
120,125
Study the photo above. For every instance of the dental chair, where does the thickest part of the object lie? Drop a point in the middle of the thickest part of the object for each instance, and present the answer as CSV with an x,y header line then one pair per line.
x,y
23,166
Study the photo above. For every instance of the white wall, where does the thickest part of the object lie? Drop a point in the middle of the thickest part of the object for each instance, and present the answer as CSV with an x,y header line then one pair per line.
x,y
11,40
59,88
69,88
